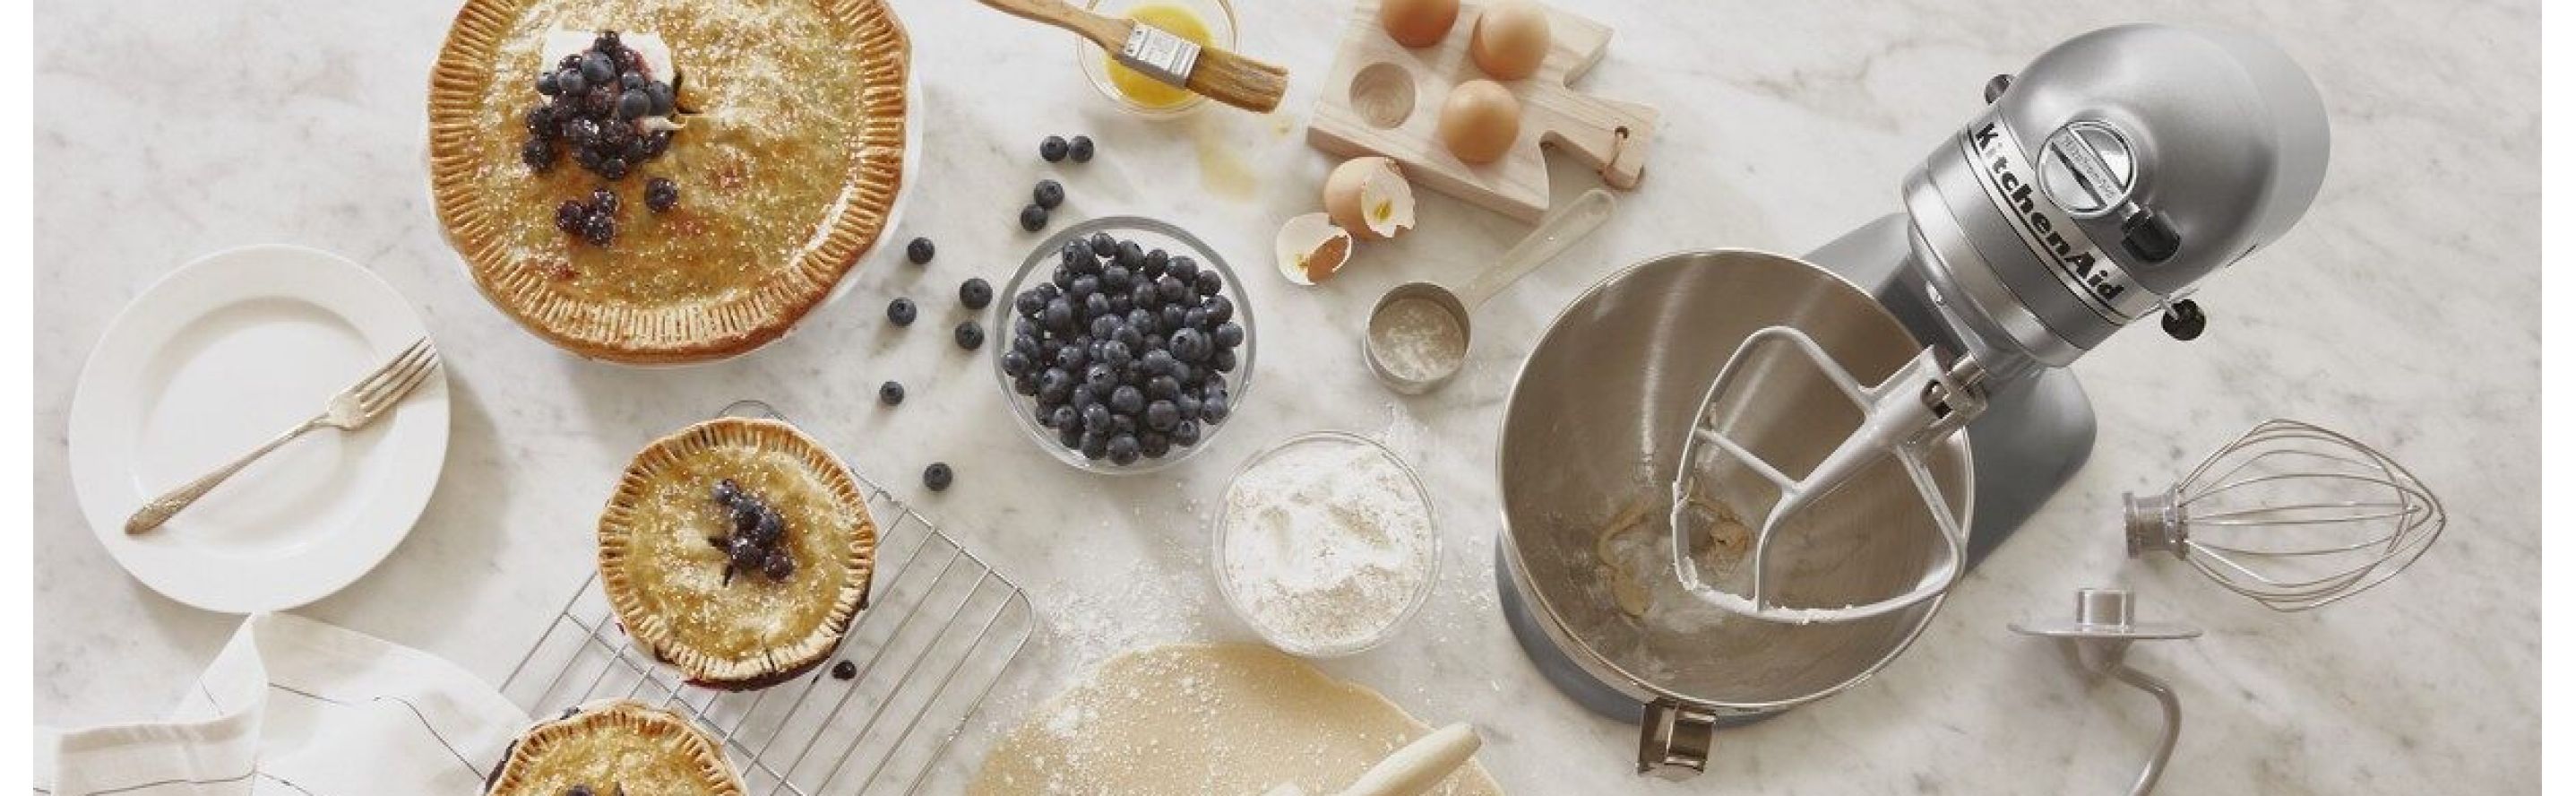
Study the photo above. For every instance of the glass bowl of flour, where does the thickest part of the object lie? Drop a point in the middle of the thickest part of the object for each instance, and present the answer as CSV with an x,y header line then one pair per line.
x,y
1324,544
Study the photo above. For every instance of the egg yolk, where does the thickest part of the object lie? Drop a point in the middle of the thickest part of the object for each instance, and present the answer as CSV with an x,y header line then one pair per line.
x,y
1145,90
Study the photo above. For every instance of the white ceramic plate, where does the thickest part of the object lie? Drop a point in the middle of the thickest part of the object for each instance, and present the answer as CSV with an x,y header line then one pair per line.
x,y
219,356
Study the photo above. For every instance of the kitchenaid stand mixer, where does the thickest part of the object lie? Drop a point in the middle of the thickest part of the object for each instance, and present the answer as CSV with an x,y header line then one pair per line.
x,y
2121,168
2096,189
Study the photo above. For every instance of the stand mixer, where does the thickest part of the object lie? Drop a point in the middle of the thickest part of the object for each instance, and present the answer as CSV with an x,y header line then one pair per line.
x,y
2095,190
2120,169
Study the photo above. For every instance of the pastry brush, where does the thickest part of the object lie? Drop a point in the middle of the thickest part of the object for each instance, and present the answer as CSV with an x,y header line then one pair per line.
x,y
1160,54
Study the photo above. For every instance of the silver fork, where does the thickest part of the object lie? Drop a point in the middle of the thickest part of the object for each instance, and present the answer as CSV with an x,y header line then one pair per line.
x,y
347,411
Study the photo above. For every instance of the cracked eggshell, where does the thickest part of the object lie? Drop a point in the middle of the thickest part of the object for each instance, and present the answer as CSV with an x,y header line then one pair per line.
x,y
1369,198
1311,247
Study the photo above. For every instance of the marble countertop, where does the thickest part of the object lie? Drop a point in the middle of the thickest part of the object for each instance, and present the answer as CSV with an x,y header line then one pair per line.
x,y
2404,310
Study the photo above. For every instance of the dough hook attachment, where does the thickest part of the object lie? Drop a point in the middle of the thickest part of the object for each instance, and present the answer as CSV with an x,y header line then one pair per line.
x,y
2097,642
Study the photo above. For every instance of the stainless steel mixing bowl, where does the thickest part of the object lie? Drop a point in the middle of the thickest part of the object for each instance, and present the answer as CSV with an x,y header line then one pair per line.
x,y
1593,430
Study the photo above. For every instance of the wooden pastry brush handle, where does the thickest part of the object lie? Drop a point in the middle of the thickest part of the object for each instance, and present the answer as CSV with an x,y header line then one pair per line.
x,y
1109,33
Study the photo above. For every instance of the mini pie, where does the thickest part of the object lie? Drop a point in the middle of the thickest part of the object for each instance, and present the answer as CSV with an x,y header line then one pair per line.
x,y
671,589
789,161
613,745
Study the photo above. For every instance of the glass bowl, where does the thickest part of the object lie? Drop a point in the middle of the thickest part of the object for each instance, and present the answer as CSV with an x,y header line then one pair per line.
x,y
1413,603
1151,235
1217,15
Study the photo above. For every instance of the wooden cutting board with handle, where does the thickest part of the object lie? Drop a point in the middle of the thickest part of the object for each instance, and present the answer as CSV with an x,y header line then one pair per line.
x,y
1383,98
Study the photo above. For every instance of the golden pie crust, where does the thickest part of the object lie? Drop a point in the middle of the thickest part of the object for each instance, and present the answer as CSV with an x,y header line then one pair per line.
x,y
787,171
611,745
666,582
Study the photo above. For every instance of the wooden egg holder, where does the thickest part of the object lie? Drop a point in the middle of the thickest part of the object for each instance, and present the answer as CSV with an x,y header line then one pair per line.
x,y
1383,98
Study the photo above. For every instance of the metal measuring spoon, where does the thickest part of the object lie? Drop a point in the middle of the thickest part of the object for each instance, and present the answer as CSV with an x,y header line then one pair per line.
x,y
1418,334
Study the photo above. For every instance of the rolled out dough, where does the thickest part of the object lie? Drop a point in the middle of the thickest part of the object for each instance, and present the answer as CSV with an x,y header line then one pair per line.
x,y
1206,718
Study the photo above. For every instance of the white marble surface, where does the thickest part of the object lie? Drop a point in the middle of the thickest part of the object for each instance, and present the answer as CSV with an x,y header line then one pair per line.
x,y
2404,310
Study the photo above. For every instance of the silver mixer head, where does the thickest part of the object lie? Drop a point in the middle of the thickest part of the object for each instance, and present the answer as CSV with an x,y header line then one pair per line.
x,y
2120,168
2106,180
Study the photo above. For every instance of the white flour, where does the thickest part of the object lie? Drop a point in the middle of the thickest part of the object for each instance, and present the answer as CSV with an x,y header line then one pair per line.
x,y
1418,339
1327,543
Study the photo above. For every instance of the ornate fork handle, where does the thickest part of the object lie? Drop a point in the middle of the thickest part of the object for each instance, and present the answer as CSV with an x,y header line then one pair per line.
x,y
162,508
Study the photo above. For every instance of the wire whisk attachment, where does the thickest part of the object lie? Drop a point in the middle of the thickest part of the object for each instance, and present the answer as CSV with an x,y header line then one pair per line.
x,y
2292,515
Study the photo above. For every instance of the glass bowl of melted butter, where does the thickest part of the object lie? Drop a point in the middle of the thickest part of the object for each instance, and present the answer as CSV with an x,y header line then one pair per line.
x,y
1210,23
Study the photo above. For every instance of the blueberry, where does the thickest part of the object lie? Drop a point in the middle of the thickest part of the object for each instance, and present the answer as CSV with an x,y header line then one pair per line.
x,y
1219,309
745,553
1229,335
1025,384
1115,353
1033,218
1071,358
1209,283
1095,445
1121,425
937,476
597,69
1144,321
1063,416
1185,268
581,131
1223,360
1162,387
1069,436
1083,397
1075,254
890,393
1052,149
1162,415
1055,385
631,81
1014,362
546,84
1175,318
1173,286
1188,405
1194,318
1102,245
1126,400
1081,150
1024,342
663,98
1101,377
920,251
1058,315
599,229
771,526
1155,262
607,42
603,200
1094,305
541,121
613,168
1185,433
1129,254
661,194
578,790
1132,337
1123,450
746,514
1029,304
1147,296
975,293
1189,345
1120,304
970,335
901,311
845,670
1095,417
1213,409
571,83
1158,362
1048,194
538,153
1117,279
634,103
726,491
1103,326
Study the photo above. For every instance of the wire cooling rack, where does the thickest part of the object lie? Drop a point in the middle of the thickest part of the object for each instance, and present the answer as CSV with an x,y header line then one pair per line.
x,y
940,628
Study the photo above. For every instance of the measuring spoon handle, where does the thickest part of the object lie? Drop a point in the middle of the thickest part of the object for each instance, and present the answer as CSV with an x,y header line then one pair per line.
x,y
1559,230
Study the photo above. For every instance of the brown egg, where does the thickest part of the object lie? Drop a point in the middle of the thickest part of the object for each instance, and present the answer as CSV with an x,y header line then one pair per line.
x,y
1510,39
1480,121
1417,23
1369,197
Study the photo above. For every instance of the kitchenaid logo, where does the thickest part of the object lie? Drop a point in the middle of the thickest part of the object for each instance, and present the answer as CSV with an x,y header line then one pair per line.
x,y
2048,232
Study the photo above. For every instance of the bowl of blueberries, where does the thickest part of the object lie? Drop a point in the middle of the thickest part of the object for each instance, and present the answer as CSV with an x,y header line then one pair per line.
x,y
1130,344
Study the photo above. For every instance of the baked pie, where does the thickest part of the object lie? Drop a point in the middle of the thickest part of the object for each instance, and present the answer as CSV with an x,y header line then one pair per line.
x,y
757,158
737,550
611,747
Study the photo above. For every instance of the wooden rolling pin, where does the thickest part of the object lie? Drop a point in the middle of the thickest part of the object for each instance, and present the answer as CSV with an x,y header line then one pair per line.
x,y
1412,769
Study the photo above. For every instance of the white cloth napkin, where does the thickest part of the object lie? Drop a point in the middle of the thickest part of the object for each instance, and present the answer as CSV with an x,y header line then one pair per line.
x,y
296,707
